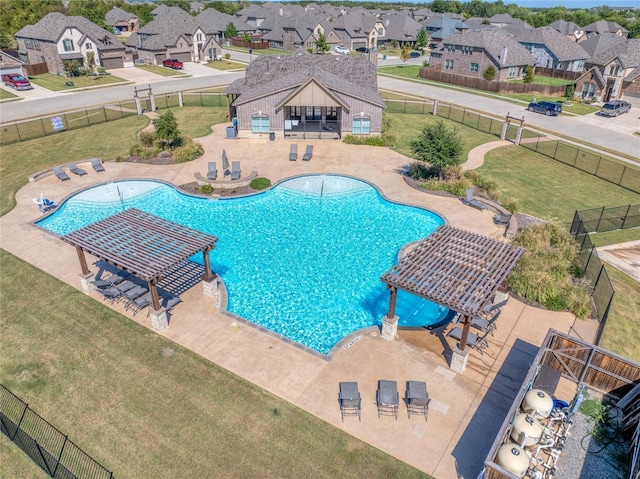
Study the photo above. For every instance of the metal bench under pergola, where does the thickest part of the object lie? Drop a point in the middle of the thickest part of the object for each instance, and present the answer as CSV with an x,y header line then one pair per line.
x,y
142,244
455,268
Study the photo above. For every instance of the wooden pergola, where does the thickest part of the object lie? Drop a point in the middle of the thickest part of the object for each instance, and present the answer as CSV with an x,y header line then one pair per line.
x,y
455,268
142,244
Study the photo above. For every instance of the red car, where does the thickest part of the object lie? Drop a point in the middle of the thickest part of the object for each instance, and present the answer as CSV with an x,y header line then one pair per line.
x,y
16,81
172,63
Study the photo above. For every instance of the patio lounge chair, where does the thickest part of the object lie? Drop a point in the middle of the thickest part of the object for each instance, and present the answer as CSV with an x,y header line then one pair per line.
x,y
293,152
473,340
349,399
502,219
76,170
387,398
109,294
417,398
135,292
59,172
235,170
97,165
111,281
487,325
212,172
471,201
139,303
308,153
125,286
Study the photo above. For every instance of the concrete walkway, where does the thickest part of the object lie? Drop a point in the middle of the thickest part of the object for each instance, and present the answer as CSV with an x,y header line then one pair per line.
x,y
466,410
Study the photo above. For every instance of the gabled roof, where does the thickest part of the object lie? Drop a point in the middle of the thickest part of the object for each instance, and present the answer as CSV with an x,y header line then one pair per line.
x,y
566,28
164,31
213,21
116,15
443,27
603,26
401,27
596,44
628,53
502,18
558,44
596,74
163,9
353,76
51,27
493,42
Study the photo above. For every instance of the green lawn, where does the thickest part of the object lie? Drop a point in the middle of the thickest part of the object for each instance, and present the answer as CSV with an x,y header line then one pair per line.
x,y
622,331
411,72
227,65
15,463
54,82
542,80
549,189
615,237
5,94
144,406
158,70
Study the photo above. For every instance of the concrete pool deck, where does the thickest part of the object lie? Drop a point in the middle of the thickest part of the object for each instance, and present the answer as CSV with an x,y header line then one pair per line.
x,y
466,410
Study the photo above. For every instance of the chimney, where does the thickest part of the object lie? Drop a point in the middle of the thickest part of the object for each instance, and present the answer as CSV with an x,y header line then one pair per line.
x,y
281,12
503,55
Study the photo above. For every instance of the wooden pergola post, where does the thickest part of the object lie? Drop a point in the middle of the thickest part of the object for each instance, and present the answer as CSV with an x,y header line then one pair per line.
x,y
393,295
83,260
208,274
153,289
465,332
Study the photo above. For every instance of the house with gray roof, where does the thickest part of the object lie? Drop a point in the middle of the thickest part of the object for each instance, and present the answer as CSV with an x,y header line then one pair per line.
x,y
307,96
570,30
554,50
400,28
442,27
57,37
471,53
604,26
9,63
613,73
121,22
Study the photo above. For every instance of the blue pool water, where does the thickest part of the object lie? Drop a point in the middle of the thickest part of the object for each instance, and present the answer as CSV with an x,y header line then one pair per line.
x,y
303,259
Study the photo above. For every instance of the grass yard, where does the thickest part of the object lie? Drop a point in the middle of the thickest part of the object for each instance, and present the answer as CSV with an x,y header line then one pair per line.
x,y
5,94
196,122
542,80
15,463
54,82
621,333
146,407
226,65
408,127
549,189
158,70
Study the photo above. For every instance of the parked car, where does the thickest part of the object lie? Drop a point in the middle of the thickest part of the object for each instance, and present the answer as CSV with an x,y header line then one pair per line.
x,y
16,81
362,50
547,107
173,63
615,108
414,54
342,50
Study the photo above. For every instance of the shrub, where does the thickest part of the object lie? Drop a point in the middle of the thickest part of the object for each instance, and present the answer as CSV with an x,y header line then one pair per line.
x,y
136,150
438,145
260,183
489,73
489,185
227,56
421,171
206,189
528,76
363,140
511,204
146,138
457,188
569,91
190,150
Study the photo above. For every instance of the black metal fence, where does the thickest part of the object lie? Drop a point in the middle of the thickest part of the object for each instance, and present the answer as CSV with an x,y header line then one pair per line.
x,y
50,125
600,220
54,452
589,162
602,291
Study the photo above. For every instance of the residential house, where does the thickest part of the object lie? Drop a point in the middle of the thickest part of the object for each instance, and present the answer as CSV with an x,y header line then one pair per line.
x,y
56,38
554,50
9,63
471,53
401,29
570,30
121,22
613,73
501,20
196,7
441,28
604,26
308,95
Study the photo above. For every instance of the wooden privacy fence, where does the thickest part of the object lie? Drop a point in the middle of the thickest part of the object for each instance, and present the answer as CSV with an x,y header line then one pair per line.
x,y
435,74
254,45
37,69
54,452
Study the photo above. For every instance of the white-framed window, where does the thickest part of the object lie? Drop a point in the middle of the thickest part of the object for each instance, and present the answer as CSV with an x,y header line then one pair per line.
x,y
32,43
513,71
361,125
260,124
448,64
332,113
67,45
313,113
451,48
88,46
380,32
296,113
198,37
613,70
580,64
467,50
474,67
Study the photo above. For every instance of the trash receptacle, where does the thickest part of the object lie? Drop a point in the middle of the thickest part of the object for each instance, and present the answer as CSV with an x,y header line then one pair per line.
x,y
231,132
272,135
384,57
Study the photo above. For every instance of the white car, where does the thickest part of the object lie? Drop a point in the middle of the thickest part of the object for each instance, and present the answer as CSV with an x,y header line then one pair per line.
x,y
341,49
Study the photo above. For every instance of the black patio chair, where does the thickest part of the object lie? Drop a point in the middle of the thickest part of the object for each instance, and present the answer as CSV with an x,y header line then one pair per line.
x,y
349,399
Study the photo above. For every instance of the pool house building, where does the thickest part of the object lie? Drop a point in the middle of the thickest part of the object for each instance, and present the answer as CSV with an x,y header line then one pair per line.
x,y
306,96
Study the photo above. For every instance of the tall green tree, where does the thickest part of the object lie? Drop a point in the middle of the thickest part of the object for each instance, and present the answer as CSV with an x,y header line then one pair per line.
x,y
321,43
166,130
404,53
422,39
93,10
231,31
438,145
15,14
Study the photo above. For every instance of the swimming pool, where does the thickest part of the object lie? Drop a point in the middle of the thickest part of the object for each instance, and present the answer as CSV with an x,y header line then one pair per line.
x,y
303,259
